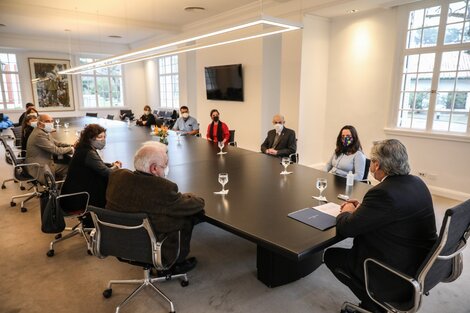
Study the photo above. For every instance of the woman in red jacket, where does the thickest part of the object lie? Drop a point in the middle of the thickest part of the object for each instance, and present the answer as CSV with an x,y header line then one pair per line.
x,y
217,130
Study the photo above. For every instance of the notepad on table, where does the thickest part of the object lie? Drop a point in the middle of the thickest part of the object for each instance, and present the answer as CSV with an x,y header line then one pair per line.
x,y
321,217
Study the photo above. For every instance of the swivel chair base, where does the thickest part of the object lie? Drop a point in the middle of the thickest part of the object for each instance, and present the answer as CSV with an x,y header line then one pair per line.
x,y
146,281
73,231
31,195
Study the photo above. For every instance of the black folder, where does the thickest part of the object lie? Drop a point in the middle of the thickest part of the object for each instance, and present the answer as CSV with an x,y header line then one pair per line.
x,y
314,218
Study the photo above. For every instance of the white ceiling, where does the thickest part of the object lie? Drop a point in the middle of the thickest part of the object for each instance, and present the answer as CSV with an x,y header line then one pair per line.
x,y
138,20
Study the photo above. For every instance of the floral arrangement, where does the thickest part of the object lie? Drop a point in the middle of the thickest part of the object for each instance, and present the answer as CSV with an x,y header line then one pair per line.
x,y
162,133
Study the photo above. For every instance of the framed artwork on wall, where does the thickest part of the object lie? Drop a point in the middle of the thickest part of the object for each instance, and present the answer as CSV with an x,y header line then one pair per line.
x,y
51,91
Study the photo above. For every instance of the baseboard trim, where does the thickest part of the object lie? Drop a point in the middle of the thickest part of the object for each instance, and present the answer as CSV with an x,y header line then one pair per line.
x,y
448,193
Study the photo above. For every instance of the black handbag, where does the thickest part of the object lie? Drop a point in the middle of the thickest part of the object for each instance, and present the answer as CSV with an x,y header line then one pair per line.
x,y
52,218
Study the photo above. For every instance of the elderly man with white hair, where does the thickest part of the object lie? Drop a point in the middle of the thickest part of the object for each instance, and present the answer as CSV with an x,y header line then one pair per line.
x,y
146,190
280,141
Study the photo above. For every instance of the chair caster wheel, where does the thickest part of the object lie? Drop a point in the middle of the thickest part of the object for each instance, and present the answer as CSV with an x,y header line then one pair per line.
x,y
58,236
12,203
4,187
23,209
89,252
184,283
108,293
50,253
23,188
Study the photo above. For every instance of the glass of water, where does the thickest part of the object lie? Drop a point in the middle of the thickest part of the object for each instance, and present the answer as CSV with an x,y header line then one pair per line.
x,y
221,145
66,126
321,185
57,121
285,162
223,179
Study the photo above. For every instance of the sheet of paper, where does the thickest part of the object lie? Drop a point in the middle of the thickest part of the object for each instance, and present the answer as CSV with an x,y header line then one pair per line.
x,y
329,208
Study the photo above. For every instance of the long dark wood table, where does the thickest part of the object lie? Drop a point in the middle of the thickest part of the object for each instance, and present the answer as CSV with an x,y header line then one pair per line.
x,y
257,204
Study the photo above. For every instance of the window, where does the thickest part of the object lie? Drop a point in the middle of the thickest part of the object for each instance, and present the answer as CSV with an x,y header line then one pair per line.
x,y
10,94
102,88
435,76
169,82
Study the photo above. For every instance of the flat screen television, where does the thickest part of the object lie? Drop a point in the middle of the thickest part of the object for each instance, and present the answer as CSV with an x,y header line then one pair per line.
x,y
224,82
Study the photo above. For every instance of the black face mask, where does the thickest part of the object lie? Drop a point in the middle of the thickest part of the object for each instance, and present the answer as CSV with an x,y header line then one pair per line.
x,y
215,118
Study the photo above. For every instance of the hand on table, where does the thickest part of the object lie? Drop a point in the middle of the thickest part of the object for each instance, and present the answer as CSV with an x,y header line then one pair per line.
x,y
350,206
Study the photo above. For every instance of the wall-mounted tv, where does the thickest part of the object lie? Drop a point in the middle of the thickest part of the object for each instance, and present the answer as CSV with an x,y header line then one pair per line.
x,y
224,82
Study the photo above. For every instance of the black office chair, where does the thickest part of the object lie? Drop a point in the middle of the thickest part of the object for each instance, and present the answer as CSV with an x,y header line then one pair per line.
x,y
130,238
17,137
365,178
82,198
231,140
294,157
21,174
123,114
110,117
444,263
91,114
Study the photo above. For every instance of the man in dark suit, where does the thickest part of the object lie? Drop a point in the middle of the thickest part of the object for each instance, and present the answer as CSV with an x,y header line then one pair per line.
x,y
394,224
280,141
146,190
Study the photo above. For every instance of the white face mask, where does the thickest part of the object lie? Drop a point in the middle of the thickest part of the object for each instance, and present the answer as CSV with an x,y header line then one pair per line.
x,y
167,171
34,124
278,127
185,115
48,127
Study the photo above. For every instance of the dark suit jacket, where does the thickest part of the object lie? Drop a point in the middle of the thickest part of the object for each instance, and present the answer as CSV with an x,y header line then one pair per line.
x,y
286,145
394,224
87,172
168,209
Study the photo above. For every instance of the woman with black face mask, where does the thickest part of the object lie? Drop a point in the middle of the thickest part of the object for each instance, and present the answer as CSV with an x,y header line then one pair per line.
x,y
87,171
348,155
217,130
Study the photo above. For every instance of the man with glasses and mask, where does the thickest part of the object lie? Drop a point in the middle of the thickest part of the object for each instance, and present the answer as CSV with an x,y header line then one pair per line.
x,y
186,124
280,141
146,190
41,148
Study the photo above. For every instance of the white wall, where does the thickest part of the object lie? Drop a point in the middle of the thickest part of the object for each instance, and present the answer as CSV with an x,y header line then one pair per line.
x,y
362,62
244,116
313,89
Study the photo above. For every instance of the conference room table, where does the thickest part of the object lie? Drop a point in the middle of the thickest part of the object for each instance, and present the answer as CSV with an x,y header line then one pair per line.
x,y
259,198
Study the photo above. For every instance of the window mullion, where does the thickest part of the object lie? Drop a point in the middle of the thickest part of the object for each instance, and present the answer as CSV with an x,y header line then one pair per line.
x,y
97,104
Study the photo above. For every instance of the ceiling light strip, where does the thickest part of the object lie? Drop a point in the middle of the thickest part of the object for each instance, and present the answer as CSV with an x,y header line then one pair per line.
x,y
124,58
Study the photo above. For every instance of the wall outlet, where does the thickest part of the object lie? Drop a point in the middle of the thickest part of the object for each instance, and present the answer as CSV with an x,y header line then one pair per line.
x,y
422,174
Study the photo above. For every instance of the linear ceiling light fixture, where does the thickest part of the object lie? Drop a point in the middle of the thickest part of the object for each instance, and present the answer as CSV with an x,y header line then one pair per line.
x,y
261,27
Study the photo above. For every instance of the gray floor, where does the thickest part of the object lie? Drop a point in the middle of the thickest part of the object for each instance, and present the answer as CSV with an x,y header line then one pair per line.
x,y
224,280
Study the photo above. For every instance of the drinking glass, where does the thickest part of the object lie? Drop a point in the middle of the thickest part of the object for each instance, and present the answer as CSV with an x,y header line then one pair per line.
x,y
178,135
285,162
221,145
321,185
152,128
223,179
66,126
57,121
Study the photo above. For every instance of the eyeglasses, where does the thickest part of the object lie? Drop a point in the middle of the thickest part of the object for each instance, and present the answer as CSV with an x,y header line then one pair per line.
x,y
277,122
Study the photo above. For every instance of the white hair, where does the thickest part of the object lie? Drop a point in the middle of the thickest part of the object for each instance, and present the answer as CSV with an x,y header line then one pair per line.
x,y
151,152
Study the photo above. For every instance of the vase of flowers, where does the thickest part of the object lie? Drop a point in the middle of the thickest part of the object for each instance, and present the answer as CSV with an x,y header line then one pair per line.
x,y
162,134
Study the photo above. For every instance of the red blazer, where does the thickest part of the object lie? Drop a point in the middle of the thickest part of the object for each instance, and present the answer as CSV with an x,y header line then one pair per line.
x,y
225,131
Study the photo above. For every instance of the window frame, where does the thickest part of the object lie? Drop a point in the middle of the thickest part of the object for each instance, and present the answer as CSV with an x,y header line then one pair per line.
x,y
95,75
171,75
20,89
438,50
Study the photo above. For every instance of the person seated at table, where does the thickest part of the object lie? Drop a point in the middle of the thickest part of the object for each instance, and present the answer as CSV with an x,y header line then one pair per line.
x,y
148,119
23,115
41,148
30,122
186,124
280,141
348,155
87,171
217,130
146,190
394,224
